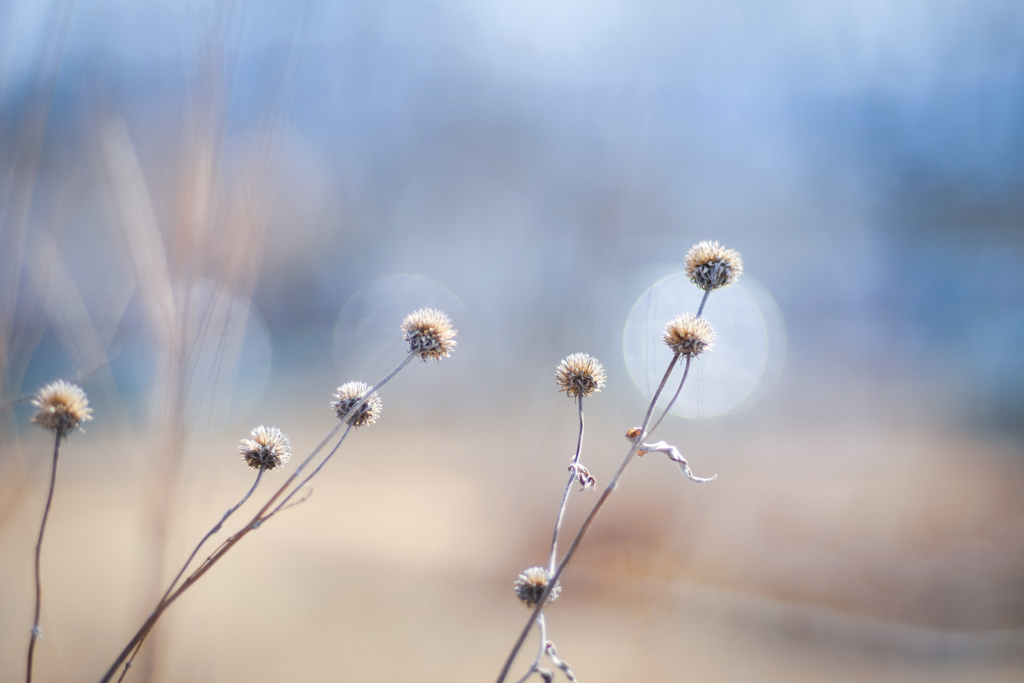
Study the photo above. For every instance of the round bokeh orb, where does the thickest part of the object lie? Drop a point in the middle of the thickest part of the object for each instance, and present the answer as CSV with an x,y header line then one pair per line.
x,y
748,353
226,364
368,338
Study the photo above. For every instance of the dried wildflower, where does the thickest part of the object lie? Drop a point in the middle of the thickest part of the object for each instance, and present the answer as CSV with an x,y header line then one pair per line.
x,y
429,333
579,375
531,584
688,335
268,449
62,407
347,397
710,265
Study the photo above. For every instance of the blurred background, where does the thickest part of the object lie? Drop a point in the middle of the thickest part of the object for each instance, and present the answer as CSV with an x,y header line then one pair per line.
x,y
214,213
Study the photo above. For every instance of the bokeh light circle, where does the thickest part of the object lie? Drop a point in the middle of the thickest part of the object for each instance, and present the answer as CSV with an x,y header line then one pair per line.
x,y
368,338
749,346
228,354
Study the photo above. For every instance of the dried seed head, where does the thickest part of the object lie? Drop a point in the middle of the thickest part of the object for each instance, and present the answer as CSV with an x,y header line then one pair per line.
x,y
268,449
429,333
62,407
688,335
579,375
710,265
347,397
531,584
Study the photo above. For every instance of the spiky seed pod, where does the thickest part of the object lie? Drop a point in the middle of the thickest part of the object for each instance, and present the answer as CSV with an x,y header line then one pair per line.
x,y
688,335
579,375
531,584
429,333
62,407
710,265
346,398
268,449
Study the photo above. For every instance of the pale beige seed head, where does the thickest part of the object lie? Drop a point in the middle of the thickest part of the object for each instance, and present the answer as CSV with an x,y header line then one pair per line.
x,y
346,398
531,584
62,407
710,265
429,333
579,375
688,335
268,449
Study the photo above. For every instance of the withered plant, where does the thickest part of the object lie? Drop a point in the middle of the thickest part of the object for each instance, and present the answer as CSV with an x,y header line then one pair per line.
x,y
709,266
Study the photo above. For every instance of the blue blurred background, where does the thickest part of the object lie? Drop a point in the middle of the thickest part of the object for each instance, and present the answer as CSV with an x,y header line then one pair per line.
x,y
214,213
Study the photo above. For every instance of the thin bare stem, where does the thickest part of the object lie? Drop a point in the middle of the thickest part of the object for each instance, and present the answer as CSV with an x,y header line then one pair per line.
x,y
700,311
568,488
543,647
298,501
281,505
261,517
181,572
36,631
215,529
686,371
703,300
553,579
253,523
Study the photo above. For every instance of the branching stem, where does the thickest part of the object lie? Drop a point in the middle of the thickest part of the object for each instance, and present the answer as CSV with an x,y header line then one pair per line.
x,y
553,579
686,371
555,572
181,572
252,524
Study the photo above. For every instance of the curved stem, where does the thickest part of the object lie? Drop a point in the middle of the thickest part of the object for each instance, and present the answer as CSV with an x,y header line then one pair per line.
x,y
553,579
36,632
700,311
540,653
253,523
686,371
565,496
211,532
703,300
305,481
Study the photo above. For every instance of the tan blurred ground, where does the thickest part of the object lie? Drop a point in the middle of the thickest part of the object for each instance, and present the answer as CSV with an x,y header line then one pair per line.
x,y
820,556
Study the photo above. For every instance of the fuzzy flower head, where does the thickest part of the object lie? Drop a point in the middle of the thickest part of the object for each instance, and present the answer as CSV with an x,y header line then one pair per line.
x,y
268,449
688,335
62,407
531,584
579,375
346,399
429,333
710,265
